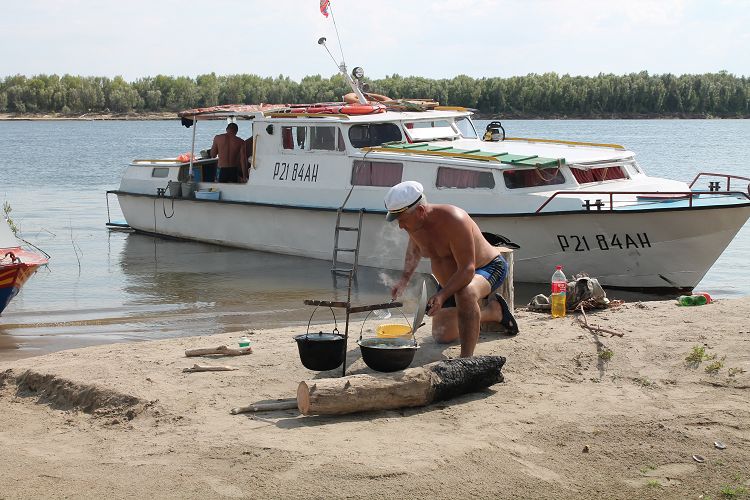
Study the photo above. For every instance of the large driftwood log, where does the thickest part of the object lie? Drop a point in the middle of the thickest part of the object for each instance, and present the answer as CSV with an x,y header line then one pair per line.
x,y
412,387
222,350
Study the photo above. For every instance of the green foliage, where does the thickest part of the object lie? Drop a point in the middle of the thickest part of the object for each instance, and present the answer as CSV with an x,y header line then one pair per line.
x,y
6,213
733,491
714,367
697,355
606,354
544,95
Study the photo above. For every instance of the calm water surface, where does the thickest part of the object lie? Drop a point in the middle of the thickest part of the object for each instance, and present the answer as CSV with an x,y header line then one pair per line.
x,y
103,286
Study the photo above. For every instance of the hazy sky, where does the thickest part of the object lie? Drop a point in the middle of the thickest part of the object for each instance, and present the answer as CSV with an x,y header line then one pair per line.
x,y
436,39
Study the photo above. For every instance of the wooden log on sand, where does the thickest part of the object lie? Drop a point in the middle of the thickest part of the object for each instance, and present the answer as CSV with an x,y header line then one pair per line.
x,y
208,368
222,350
412,387
284,404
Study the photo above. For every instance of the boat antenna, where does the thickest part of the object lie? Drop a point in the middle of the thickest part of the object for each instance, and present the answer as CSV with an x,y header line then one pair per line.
x,y
342,70
341,46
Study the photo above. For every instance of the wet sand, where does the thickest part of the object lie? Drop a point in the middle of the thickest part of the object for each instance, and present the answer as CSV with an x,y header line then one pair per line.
x,y
123,421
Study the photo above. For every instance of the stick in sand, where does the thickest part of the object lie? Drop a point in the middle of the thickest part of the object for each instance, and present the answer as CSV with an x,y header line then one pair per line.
x,y
595,329
221,350
284,404
207,368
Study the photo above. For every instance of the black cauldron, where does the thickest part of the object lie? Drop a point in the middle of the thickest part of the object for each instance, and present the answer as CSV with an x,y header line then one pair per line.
x,y
388,355
321,351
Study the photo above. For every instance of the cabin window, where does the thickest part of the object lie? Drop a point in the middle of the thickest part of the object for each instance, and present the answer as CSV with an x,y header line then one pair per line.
x,y
327,139
463,179
526,178
586,175
294,138
376,173
160,172
323,138
374,134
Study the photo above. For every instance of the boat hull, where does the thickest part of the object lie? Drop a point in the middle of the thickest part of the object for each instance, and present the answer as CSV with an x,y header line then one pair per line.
x,y
12,278
651,249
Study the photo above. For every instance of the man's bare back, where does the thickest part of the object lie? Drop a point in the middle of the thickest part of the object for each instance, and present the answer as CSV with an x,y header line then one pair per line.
x,y
446,230
231,151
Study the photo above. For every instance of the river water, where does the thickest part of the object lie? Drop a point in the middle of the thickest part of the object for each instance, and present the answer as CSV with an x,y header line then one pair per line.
x,y
103,286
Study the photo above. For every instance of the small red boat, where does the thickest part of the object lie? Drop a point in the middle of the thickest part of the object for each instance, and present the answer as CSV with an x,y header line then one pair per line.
x,y
16,264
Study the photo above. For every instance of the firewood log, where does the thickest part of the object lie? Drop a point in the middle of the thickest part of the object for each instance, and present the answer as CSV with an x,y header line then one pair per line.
x,y
409,388
221,350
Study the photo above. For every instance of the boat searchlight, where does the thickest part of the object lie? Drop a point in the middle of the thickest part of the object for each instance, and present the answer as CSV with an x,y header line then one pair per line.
x,y
342,68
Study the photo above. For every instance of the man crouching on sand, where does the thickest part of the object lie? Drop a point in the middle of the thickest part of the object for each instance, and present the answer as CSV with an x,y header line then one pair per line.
x,y
466,266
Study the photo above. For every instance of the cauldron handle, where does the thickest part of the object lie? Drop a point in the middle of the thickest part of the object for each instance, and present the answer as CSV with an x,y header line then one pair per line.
x,y
401,310
335,323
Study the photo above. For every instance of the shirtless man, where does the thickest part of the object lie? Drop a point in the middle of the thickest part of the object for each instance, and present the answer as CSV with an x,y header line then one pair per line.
x,y
466,266
232,157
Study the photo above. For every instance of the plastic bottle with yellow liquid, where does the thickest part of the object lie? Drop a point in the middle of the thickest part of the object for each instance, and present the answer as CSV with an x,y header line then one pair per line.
x,y
559,290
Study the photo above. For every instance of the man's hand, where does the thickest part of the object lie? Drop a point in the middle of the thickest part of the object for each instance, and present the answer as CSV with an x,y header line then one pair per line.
x,y
434,304
399,288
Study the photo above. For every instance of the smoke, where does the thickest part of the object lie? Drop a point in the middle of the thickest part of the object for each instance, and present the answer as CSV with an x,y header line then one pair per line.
x,y
386,280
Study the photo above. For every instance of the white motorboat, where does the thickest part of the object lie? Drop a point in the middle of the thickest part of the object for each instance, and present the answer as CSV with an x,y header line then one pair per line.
x,y
317,168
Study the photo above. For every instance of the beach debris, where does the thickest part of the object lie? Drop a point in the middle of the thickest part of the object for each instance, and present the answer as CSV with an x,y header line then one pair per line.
x,y
412,387
699,459
222,350
209,368
281,404
719,445
585,449
594,328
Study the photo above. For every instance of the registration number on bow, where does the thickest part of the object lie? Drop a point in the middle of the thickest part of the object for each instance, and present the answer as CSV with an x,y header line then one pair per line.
x,y
587,243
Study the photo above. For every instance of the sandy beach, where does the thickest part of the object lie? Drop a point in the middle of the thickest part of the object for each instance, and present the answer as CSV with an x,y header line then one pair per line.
x,y
578,416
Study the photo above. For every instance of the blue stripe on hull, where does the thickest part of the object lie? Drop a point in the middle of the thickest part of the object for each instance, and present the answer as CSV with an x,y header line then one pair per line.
x,y
6,295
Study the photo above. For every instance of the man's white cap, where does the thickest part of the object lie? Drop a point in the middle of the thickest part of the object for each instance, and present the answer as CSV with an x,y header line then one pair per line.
x,y
401,198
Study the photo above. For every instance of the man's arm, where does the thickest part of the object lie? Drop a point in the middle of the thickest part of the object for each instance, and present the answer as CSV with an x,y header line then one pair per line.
x,y
461,242
215,148
243,162
411,261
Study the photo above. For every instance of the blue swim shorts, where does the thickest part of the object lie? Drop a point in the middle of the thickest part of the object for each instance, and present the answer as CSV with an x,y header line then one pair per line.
x,y
494,272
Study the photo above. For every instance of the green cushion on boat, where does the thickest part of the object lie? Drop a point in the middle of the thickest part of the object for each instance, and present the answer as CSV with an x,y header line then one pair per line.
x,y
509,158
538,162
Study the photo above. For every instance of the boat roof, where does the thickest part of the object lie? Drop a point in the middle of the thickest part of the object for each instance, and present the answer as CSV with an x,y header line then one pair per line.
x,y
515,151
290,111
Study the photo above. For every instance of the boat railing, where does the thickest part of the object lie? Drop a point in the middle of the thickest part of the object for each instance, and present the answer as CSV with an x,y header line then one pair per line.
x,y
644,198
714,186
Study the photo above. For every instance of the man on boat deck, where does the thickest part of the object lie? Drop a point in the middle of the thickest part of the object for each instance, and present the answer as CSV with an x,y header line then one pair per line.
x,y
230,149
466,266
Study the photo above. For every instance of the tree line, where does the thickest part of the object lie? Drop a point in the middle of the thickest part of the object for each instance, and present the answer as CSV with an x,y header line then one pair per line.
x,y
539,95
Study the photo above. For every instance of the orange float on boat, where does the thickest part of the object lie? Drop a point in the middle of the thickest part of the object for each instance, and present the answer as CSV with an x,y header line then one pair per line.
x,y
348,109
362,109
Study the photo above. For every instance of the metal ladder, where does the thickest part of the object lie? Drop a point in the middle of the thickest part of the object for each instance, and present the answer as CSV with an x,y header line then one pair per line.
x,y
336,249
352,271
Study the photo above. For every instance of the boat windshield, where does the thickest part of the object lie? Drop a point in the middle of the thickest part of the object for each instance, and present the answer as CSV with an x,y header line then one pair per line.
x,y
466,127
431,130
373,134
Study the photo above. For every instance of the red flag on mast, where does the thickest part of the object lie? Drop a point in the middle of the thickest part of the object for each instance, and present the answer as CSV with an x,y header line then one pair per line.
x,y
325,5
